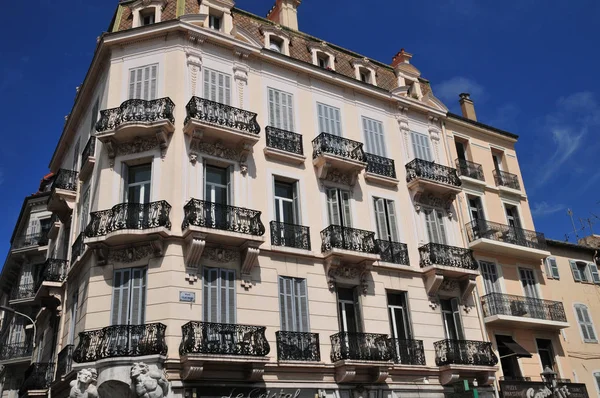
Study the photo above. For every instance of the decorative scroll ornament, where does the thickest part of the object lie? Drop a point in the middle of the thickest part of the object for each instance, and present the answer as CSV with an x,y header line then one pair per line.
x,y
429,199
138,145
131,254
348,273
217,149
148,383
449,285
85,385
221,255
335,175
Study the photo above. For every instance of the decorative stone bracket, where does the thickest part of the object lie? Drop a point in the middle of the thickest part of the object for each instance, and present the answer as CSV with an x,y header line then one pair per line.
x,y
326,172
422,198
436,281
159,140
346,373
194,246
199,145
357,274
250,253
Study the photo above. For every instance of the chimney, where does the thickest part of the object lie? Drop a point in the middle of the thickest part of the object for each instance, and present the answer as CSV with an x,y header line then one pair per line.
x,y
467,107
401,58
285,12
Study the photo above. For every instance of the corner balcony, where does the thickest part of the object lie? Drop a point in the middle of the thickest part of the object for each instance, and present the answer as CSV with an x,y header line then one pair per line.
x,y
298,346
88,159
523,312
136,119
37,379
64,192
349,245
284,146
338,159
64,362
227,350
126,223
499,238
380,170
121,341
12,353
48,286
508,183
393,252
408,352
290,235
24,293
30,243
470,172
462,359
450,265
363,353
78,248
425,176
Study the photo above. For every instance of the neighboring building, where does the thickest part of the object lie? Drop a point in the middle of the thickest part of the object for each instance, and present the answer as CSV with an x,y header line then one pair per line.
x,y
256,208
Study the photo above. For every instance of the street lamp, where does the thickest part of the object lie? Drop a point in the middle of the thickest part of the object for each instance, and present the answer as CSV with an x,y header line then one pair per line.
x,y
8,309
549,378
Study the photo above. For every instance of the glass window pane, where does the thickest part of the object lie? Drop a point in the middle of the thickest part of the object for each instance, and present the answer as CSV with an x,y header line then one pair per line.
x,y
284,190
216,175
139,173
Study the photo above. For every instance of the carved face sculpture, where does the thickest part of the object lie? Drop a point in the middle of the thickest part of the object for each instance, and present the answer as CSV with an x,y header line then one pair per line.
x,y
84,376
138,369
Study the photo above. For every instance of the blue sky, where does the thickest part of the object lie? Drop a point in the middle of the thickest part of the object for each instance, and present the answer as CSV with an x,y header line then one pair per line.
x,y
531,67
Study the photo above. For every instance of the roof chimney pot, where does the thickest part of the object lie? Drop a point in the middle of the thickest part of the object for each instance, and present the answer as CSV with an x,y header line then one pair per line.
x,y
466,106
285,12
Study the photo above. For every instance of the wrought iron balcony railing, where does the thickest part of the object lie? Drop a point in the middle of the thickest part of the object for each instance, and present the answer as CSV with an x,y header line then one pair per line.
x,y
129,216
38,376
16,350
483,229
53,270
380,165
64,362
298,346
419,168
89,150
212,112
37,239
66,179
223,339
408,352
527,307
136,110
23,291
450,256
121,341
464,352
332,144
77,248
505,179
284,140
393,252
338,237
361,347
469,169
290,235
201,213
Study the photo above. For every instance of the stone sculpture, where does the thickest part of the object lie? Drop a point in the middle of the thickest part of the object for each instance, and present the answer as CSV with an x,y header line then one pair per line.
x,y
85,385
148,383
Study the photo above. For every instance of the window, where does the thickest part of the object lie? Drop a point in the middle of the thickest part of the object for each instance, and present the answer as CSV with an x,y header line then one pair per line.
x,y
286,202
452,320
138,183
129,296
385,217
217,86
74,315
373,131
323,60
94,116
597,377
349,310
293,304
512,216
217,184
143,82
281,110
528,282
434,222
364,76
214,22
489,272
275,44
147,17
420,144
508,358
75,156
398,314
460,150
338,207
84,210
476,209
585,272
585,324
329,119
546,353
497,158
26,280
219,295
552,268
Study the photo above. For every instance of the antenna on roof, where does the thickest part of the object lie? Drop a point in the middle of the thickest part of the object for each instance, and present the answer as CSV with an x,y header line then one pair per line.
x,y
570,213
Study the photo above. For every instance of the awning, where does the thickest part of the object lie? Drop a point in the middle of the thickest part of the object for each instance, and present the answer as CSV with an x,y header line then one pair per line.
x,y
512,347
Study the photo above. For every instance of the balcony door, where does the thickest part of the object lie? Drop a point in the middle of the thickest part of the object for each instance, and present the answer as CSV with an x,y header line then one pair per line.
x,y
434,222
477,217
338,207
128,308
286,211
489,272
218,307
329,120
532,302
217,191
374,138
348,310
385,217
452,321
217,88
515,234
137,193
399,325
460,150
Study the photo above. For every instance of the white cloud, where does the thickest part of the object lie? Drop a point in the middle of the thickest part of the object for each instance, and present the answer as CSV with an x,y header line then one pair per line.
x,y
448,90
543,209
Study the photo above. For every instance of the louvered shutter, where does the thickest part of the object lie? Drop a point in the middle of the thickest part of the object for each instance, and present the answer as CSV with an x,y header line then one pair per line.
x,y
289,109
588,323
217,86
373,131
85,210
347,216
301,307
333,207
210,299
380,219
321,117
286,304
227,294
430,225
457,319
132,81
94,116
391,209
581,322
272,106
357,311
296,200
575,270
329,119
594,271
74,315
138,83
121,295
138,296
441,226
153,76
553,268
281,110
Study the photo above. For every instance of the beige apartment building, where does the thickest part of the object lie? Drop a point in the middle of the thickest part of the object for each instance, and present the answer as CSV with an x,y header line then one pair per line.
x,y
238,208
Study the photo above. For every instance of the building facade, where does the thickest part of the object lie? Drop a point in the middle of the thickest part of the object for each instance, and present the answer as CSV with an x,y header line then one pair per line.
x,y
236,207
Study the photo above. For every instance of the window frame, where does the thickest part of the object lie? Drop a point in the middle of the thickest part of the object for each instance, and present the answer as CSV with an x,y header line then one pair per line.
x,y
147,94
591,323
227,86
373,131
295,298
550,269
329,116
144,297
219,294
286,111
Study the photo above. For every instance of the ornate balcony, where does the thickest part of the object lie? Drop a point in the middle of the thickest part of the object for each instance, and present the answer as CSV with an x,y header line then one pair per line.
x,y
393,252
470,170
64,192
408,352
507,180
121,341
137,219
16,352
353,353
55,224
23,292
53,270
77,248
284,145
31,241
223,339
297,346
88,158
37,377
527,312
462,359
48,283
338,159
380,170
290,235
498,238
64,362
422,175
349,244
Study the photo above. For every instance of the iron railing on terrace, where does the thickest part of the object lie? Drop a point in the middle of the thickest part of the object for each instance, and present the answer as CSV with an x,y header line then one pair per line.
x,y
23,291
408,352
212,112
298,346
223,339
393,252
78,247
37,377
284,140
483,229
36,239
66,180
506,179
380,165
469,169
22,349
464,352
53,270
419,168
361,347
89,150
64,362
334,145
527,307
450,256
121,341
136,110
201,213
290,235
129,216
339,237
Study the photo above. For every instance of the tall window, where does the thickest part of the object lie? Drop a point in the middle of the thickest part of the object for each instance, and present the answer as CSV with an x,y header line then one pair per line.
x,y
597,378
138,183
143,82
147,17
546,353
420,144
84,211
217,86
338,207
434,221
497,158
489,272
349,310
214,22
373,131
293,304
26,276
512,216
452,320
286,202
219,295
552,268
281,110
585,324
460,149
398,314
476,209
74,315
129,296
217,184
329,119
385,217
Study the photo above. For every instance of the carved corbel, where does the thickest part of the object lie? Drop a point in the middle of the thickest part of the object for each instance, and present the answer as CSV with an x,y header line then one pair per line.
x,y
244,151
250,255
380,373
466,287
255,371
322,170
111,150
345,374
449,377
163,142
241,53
433,281
486,379
195,141
196,38
331,263
192,372
101,255
194,246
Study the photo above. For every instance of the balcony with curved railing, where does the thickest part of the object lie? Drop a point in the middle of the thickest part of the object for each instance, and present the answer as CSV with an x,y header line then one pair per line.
x,y
284,145
29,241
423,174
38,376
436,254
380,169
53,270
223,339
64,362
290,235
506,179
298,346
23,291
464,352
16,351
393,252
349,242
136,112
506,239
335,154
64,192
408,352
523,311
361,347
121,341
469,169
88,158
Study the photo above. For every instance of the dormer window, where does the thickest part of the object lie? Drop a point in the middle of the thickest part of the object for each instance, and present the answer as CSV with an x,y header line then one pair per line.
x,y
147,12
276,44
214,22
323,60
276,39
364,70
364,77
147,17
322,56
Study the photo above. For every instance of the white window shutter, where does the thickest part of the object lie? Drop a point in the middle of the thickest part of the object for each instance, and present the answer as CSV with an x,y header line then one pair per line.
x,y
430,226
210,302
321,116
333,207
132,84
227,296
206,93
380,219
457,319
301,305
138,296
441,226
227,90
121,296
290,112
153,77
554,268
392,221
285,304
575,270
347,215
272,105
594,272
